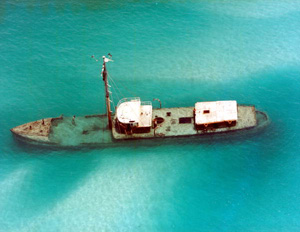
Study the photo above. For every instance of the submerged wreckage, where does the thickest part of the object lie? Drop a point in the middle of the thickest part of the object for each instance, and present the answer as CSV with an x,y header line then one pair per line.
x,y
136,119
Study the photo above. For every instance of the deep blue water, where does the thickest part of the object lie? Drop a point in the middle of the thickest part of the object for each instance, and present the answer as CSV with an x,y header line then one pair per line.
x,y
180,52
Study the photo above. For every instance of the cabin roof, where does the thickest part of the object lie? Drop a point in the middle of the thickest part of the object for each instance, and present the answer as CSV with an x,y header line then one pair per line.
x,y
136,112
129,111
215,112
145,116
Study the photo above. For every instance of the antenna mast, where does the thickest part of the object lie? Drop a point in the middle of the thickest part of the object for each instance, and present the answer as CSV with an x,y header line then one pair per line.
x,y
104,75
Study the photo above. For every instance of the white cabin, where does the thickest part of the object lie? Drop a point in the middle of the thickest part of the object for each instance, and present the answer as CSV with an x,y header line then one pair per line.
x,y
134,112
215,112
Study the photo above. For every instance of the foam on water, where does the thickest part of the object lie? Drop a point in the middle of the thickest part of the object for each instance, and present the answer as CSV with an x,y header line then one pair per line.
x,y
180,52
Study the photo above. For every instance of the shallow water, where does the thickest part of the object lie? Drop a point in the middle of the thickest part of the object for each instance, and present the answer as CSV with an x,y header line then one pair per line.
x,y
180,52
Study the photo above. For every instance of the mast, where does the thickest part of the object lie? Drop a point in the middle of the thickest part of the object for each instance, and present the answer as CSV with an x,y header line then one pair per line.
x,y
108,108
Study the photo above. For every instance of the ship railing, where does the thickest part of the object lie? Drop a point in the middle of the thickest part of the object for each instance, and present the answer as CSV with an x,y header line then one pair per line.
x,y
127,99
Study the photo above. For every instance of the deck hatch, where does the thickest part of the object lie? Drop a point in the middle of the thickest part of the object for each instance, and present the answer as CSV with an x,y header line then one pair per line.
x,y
185,120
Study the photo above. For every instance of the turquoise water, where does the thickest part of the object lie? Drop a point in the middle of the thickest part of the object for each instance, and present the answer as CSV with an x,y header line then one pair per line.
x,y
180,52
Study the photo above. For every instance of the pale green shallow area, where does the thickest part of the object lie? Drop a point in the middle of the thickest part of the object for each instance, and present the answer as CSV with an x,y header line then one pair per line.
x,y
91,130
180,52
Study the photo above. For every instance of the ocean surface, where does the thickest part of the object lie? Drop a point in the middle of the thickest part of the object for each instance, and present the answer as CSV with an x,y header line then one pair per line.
x,y
180,52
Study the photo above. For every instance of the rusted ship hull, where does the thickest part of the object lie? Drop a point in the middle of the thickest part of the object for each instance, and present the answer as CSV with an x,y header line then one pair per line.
x,y
92,130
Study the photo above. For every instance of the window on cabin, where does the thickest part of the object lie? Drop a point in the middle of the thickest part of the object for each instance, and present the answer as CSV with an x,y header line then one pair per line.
x,y
205,111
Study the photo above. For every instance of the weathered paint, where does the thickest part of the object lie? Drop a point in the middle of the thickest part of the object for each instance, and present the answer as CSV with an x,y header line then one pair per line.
x,y
93,130
172,128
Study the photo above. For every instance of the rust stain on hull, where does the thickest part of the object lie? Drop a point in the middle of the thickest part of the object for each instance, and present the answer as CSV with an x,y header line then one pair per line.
x,y
37,130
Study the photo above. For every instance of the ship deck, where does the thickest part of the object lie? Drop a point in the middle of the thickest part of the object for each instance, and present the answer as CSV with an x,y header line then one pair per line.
x,y
173,126
93,130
